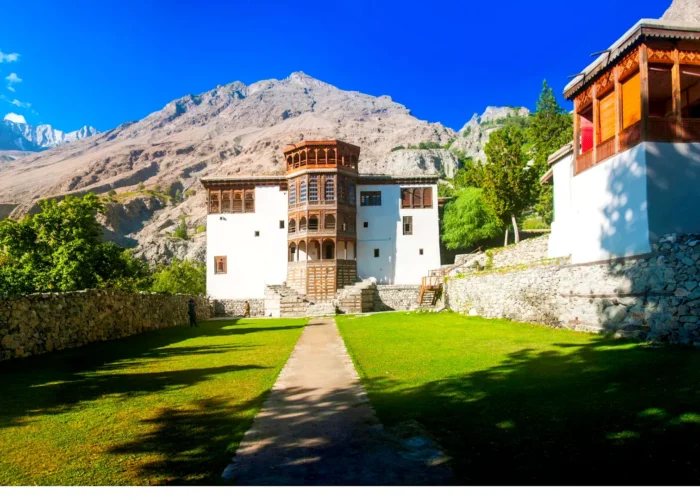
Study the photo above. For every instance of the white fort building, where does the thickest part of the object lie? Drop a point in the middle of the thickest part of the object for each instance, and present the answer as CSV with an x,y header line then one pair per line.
x,y
320,227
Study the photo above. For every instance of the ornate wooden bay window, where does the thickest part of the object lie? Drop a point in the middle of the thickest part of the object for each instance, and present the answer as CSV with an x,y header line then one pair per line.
x,y
648,92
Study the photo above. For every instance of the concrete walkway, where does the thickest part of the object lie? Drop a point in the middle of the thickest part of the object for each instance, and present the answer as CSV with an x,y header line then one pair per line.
x,y
318,428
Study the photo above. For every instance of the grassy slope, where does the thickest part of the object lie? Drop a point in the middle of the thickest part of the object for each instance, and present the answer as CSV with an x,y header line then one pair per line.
x,y
524,404
164,407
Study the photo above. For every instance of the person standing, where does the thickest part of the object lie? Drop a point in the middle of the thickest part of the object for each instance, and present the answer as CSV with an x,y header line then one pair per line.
x,y
192,312
246,309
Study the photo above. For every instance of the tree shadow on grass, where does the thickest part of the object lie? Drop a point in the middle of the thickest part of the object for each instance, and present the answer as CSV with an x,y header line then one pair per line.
x,y
56,382
605,413
193,445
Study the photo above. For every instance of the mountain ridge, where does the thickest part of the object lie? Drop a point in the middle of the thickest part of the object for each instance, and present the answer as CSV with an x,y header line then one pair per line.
x,y
232,129
20,136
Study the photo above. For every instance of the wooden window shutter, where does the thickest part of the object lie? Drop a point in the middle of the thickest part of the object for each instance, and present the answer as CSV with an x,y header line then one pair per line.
x,y
406,198
631,101
607,117
428,197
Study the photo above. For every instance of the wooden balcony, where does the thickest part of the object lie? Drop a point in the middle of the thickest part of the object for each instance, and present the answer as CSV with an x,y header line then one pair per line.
x,y
605,149
672,130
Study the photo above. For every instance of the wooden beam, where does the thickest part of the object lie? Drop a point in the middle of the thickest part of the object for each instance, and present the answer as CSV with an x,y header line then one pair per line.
x,y
618,108
596,124
676,85
644,84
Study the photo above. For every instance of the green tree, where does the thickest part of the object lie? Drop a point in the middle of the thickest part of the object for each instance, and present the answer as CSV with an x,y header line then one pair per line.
x,y
180,277
467,220
181,230
508,181
60,249
550,128
140,187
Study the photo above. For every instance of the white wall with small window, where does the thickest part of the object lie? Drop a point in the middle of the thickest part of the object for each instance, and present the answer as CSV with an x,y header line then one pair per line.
x,y
247,251
398,232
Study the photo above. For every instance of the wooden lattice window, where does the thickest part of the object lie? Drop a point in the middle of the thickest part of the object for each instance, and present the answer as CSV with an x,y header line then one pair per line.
x,y
313,189
370,198
226,202
237,202
302,192
249,201
352,200
220,265
292,194
407,225
213,202
329,192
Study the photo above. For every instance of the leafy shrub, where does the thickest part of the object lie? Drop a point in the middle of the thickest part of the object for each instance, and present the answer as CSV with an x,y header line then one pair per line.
x,y
180,277
181,230
467,221
200,229
397,148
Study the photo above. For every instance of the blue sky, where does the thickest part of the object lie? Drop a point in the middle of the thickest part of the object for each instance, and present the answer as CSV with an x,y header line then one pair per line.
x,y
104,63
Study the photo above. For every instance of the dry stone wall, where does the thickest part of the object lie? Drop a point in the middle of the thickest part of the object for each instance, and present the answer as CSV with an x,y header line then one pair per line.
x,y
654,296
44,322
396,297
232,307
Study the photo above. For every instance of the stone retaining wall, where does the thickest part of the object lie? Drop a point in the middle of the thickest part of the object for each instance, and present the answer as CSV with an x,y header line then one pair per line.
x,y
233,307
654,296
44,322
396,297
527,251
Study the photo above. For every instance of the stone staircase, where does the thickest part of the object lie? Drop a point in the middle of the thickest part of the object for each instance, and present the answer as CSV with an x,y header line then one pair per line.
x,y
356,298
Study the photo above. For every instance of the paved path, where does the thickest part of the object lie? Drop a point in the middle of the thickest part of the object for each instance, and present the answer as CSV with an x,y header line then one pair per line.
x,y
318,428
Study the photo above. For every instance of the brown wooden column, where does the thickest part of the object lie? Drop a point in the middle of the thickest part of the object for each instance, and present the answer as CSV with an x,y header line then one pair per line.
x,y
618,108
677,104
220,200
644,84
596,124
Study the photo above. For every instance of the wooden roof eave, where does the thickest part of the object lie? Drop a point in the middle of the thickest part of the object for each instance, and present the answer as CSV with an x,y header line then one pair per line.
x,y
645,28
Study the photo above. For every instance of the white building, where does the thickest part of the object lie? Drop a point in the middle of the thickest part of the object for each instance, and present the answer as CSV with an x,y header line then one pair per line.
x,y
319,227
632,172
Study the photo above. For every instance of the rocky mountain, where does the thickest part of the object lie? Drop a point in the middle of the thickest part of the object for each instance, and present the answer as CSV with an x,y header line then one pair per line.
x,y
683,11
474,135
17,135
234,129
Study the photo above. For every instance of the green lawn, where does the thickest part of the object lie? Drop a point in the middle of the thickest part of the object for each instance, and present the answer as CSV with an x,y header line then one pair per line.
x,y
522,404
168,406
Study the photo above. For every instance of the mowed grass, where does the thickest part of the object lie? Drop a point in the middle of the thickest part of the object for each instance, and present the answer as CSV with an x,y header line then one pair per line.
x,y
164,407
515,403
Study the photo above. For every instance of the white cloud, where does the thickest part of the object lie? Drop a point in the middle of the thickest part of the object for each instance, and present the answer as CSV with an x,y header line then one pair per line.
x,y
15,102
12,117
8,57
12,79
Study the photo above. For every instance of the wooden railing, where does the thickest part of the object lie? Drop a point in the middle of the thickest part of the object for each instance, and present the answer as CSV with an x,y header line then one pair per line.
x,y
584,161
670,130
605,149
631,136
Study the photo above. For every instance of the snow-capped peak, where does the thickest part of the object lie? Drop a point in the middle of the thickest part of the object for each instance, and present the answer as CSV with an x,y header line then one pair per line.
x,y
15,118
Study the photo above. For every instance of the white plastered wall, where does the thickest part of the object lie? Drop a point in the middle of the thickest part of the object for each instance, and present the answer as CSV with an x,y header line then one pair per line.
x,y
399,261
606,216
562,174
253,262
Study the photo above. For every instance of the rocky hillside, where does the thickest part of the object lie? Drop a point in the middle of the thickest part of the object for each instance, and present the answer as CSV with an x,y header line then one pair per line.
x,y
472,138
683,11
17,135
234,129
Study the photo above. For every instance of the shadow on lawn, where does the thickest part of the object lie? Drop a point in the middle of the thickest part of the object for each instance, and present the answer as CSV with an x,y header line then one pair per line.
x,y
193,445
605,413
54,383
